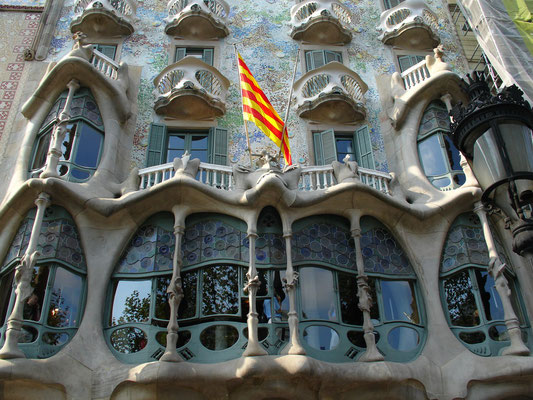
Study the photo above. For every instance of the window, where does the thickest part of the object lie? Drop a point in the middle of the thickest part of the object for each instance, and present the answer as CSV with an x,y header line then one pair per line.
x,y
108,50
83,143
317,58
407,61
209,145
52,313
471,302
439,157
204,54
330,146
391,3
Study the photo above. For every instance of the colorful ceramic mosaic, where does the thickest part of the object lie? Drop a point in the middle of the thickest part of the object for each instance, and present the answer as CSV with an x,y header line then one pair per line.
x,y
326,243
150,250
466,244
382,254
58,239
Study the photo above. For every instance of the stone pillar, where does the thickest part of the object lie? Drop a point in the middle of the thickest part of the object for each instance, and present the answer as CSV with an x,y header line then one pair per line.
x,y
447,99
23,289
58,134
365,299
291,280
251,287
496,270
175,295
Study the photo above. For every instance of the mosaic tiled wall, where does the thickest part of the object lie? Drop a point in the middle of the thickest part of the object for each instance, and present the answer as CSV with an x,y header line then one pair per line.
x,y
262,35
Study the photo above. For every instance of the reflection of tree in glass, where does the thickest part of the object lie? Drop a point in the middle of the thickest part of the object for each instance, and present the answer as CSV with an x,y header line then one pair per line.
x,y
128,340
220,290
135,309
461,303
58,312
162,309
187,308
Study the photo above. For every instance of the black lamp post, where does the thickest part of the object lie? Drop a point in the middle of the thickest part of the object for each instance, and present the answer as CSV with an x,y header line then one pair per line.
x,y
495,133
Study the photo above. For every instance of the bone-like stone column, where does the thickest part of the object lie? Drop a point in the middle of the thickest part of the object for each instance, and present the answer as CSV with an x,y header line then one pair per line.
x,y
291,280
496,270
58,134
252,285
365,299
23,289
175,295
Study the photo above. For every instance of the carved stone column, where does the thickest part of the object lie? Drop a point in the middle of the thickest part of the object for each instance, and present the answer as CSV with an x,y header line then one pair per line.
x,y
23,289
175,295
365,300
291,280
58,134
251,287
496,270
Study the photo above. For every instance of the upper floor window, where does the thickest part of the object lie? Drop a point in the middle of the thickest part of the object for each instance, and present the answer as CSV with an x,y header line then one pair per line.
x,y
108,50
439,157
317,58
407,61
473,306
331,145
204,54
165,144
391,3
52,313
82,147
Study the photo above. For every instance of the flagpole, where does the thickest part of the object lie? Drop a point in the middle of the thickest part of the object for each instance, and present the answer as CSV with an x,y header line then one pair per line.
x,y
288,103
242,102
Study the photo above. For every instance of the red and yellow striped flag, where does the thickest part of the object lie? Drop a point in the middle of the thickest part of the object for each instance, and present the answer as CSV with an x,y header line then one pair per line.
x,y
257,109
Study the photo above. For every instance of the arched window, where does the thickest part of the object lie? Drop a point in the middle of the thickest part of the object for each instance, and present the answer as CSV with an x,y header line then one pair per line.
x,y
331,323
439,157
471,302
53,312
83,143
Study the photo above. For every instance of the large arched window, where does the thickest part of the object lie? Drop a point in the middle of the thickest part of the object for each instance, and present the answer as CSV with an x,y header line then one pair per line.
x,y
471,302
53,312
83,143
439,157
331,323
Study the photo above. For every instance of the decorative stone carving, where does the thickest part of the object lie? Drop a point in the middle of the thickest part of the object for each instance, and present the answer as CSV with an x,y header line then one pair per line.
x,y
186,166
347,171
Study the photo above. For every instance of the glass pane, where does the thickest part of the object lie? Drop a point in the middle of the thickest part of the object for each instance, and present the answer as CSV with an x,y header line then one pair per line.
x,y
183,338
6,286
128,340
519,145
321,337
454,157
488,165
55,339
350,312
28,334
403,338
42,150
65,299
219,337
318,297
492,303
277,308
34,303
472,337
79,174
220,290
172,154
88,149
176,142
499,333
462,306
187,308
66,146
440,183
201,154
199,142
162,308
431,156
131,302
399,301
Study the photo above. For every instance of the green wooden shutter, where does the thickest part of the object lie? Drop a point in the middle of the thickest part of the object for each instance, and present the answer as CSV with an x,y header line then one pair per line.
x,y
325,148
180,53
365,157
218,146
156,145
208,56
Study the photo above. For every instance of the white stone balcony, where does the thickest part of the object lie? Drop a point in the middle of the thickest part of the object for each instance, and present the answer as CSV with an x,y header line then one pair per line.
x,y
104,17
332,93
197,19
411,25
321,22
191,89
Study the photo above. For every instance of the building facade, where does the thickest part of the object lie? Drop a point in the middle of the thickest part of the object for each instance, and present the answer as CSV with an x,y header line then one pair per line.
x,y
151,250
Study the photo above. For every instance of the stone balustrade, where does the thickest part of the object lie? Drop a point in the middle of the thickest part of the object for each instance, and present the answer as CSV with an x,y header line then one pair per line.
x,y
122,8
104,64
415,75
219,8
197,19
104,17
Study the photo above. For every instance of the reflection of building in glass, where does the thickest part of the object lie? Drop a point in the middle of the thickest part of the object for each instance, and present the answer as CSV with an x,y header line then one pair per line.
x,y
146,253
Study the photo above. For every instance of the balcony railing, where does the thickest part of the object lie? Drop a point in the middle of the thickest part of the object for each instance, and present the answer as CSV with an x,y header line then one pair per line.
x,y
104,17
411,24
104,64
312,178
415,75
122,8
308,15
334,82
197,18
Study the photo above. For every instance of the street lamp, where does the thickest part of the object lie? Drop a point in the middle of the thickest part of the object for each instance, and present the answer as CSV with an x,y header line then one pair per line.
x,y
495,133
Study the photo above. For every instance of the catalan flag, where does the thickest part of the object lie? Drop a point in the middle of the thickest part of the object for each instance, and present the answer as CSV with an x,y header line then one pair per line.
x,y
257,109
